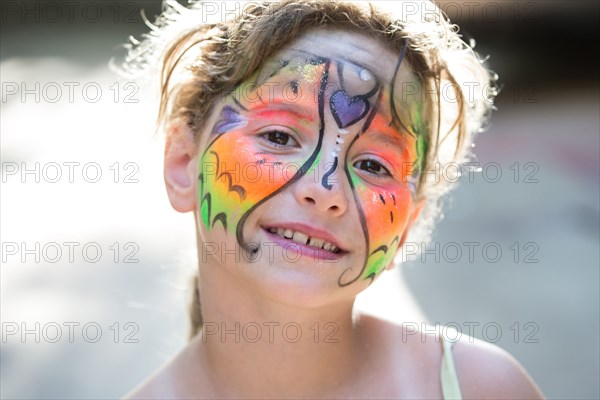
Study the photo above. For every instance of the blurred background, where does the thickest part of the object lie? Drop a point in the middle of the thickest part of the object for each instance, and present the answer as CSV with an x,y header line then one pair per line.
x,y
95,263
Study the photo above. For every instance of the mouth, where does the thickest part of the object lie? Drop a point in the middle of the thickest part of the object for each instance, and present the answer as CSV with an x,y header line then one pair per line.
x,y
303,238
306,236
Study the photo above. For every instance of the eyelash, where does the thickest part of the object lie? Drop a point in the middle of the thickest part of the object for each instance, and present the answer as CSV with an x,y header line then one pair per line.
x,y
265,137
386,173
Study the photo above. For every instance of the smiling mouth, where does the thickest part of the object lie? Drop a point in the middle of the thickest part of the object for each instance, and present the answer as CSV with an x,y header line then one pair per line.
x,y
304,239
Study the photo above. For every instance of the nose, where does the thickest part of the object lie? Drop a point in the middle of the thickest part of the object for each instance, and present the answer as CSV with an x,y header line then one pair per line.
x,y
322,190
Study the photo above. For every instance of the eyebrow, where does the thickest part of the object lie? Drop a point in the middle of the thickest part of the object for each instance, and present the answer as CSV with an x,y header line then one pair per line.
x,y
394,140
280,104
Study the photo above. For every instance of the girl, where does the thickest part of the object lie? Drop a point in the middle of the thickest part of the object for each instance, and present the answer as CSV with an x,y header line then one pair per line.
x,y
304,136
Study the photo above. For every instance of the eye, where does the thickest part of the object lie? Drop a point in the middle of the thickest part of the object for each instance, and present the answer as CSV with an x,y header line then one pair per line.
x,y
372,167
279,139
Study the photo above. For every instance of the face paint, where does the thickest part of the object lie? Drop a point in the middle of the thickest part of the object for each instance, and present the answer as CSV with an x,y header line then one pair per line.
x,y
242,167
347,110
230,119
237,174
419,128
385,205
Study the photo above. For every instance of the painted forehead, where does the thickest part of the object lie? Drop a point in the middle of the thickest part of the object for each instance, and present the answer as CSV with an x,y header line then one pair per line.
x,y
356,83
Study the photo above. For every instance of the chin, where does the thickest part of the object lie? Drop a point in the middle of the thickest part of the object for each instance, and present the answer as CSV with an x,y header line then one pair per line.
x,y
302,284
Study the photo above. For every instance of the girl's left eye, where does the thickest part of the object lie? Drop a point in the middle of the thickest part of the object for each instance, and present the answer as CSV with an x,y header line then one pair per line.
x,y
279,139
372,167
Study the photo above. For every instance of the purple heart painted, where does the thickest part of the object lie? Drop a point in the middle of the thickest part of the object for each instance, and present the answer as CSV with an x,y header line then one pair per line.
x,y
347,110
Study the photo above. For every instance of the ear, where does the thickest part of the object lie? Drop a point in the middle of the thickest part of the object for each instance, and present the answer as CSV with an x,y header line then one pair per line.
x,y
413,217
181,153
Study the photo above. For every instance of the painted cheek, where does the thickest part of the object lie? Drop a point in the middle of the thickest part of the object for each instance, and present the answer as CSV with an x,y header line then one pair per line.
x,y
234,178
386,212
236,175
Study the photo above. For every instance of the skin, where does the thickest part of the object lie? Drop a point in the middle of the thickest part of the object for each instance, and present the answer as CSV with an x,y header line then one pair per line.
x,y
354,204
286,115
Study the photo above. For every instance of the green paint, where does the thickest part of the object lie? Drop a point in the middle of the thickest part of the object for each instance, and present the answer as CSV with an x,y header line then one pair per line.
x,y
420,129
205,216
375,266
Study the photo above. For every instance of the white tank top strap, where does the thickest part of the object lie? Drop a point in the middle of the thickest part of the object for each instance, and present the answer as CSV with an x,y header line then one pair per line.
x,y
448,376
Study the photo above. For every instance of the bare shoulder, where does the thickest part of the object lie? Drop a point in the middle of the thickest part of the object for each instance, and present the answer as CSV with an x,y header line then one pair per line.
x,y
157,386
181,378
151,388
485,371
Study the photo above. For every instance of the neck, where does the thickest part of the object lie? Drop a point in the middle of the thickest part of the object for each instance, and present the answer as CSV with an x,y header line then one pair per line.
x,y
253,346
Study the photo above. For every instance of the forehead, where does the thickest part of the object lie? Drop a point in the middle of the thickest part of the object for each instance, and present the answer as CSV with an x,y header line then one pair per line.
x,y
349,47
361,57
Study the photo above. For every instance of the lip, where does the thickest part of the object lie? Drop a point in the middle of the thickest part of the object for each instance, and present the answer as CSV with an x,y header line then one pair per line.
x,y
311,232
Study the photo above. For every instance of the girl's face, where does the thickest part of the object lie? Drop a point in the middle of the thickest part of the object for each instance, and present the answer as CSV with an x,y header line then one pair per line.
x,y
307,172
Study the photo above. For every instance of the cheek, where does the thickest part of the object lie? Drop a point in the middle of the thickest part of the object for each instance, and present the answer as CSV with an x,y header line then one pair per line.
x,y
235,176
386,211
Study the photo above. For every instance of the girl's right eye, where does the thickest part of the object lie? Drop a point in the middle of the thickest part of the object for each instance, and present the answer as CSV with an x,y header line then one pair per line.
x,y
279,138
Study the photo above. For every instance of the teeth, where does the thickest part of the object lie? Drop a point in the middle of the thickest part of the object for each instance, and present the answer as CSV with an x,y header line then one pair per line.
x,y
316,242
300,238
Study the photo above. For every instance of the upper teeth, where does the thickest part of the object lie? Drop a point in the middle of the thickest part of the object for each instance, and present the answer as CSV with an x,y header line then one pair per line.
x,y
304,239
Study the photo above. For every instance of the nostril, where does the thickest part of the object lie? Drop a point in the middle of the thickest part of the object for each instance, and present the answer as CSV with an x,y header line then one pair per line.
x,y
310,200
